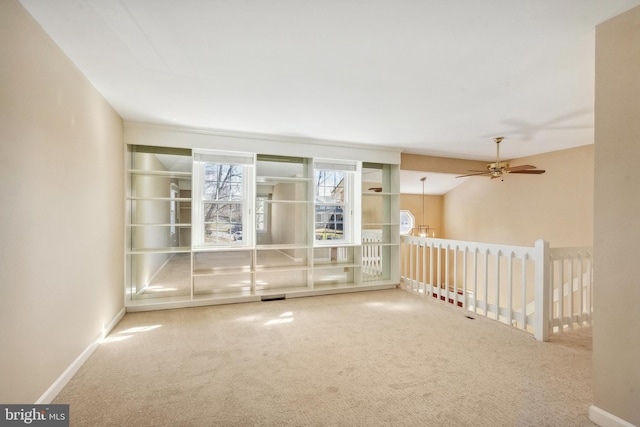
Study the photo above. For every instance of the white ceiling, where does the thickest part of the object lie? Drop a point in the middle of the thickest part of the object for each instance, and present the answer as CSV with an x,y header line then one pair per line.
x,y
435,77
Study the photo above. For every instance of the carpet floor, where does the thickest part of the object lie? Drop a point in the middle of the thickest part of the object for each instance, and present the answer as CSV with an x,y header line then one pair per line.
x,y
382,358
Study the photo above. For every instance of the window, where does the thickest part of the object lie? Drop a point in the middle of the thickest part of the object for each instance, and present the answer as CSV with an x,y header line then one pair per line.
x,y
334,187
262,213
222,191
407,222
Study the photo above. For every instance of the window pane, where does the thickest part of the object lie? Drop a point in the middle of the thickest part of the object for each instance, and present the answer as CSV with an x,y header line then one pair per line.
x,y
222,195
222,182
329,222
261,213
329,186
330,204
222,222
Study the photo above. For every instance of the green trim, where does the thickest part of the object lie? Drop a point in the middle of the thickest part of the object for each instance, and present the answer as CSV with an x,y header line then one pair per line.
x,y
281,159
161,150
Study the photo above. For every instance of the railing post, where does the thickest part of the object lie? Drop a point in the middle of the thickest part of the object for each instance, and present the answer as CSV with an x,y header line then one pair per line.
x,y
542,291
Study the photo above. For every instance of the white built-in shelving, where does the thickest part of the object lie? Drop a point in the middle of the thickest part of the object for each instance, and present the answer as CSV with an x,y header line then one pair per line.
x,y
281,251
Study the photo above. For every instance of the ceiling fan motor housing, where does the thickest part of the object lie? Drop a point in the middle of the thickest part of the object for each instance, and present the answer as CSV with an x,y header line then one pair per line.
x,y
499,169
501,166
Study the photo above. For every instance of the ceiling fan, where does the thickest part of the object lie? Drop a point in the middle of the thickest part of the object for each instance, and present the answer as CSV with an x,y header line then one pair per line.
x,y
499,169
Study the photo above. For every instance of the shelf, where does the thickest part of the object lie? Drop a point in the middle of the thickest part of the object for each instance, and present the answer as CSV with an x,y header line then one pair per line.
x,y
161,199
203,249
185,225
282,268
334,244
172,250
326,265
281,291
281,247
167,174
301,202
281,180
216,271
230,296
373,193
281,189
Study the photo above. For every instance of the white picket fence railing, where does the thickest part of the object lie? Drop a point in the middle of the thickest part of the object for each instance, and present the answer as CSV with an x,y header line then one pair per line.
x,y
372,253
536,289
571,273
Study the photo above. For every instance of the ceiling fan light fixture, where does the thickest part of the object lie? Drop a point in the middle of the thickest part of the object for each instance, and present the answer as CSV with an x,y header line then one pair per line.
x,y
501,166
499,169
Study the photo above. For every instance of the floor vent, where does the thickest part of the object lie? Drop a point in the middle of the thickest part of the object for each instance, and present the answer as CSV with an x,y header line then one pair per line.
x,y
273,297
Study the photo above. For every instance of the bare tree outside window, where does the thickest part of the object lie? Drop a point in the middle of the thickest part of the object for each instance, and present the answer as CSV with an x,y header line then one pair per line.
x,y
223,199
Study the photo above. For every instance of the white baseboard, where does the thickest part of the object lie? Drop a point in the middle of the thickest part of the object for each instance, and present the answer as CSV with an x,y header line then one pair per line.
x,y
605,419
71,370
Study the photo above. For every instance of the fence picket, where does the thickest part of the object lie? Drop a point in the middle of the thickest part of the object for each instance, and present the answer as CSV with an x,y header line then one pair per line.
x,y
510,289
580,290
524,293
561,294
438,283
464,279
486,282
498,254
567,273
570,299
455,276
475,280
445,284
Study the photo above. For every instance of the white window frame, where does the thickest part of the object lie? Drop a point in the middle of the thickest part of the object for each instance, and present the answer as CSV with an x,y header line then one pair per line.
x,y
407,222
352,187
247,162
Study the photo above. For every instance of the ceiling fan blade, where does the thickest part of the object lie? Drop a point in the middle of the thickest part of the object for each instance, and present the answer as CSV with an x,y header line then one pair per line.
x,y
520,168
530,171
474,174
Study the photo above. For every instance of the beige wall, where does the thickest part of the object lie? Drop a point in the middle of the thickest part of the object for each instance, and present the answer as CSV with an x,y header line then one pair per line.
x,y
61,210
432,211
434,205
616,327
556,206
